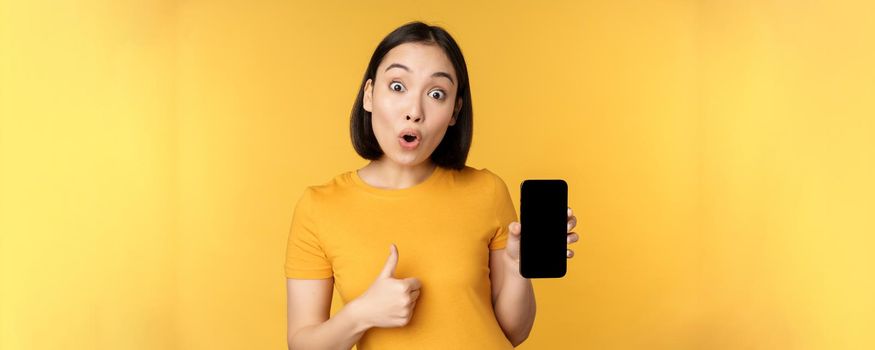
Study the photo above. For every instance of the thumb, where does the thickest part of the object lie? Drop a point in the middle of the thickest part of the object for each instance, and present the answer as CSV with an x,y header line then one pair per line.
x,y
514,229
389,268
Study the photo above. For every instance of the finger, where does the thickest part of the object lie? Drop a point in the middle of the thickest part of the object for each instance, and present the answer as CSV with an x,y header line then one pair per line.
x,y
572,237
514,228
413,283
391,262
569,212
569,253
572,221
414,296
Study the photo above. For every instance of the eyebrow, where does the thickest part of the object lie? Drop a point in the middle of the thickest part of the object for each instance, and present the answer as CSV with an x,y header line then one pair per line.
x,y
436,74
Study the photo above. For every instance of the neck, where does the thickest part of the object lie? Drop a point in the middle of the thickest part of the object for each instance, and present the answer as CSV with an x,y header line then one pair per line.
x,y
384,173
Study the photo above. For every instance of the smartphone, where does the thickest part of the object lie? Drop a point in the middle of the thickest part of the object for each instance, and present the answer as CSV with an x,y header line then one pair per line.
x,y
543,221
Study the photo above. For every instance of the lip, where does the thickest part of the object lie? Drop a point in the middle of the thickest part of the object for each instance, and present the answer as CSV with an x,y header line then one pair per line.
x,y
409,145
410,131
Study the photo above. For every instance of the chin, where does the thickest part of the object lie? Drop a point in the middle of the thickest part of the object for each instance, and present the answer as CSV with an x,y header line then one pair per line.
x,y
407,158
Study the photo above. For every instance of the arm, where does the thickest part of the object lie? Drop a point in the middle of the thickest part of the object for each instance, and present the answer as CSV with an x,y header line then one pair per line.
x,y
513,297
309,303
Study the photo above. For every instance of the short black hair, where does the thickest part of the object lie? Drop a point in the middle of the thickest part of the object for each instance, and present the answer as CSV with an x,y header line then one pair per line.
x,y
452,152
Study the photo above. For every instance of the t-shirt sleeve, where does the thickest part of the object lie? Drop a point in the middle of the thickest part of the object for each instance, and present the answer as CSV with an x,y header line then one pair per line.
x,y
305,257
505,213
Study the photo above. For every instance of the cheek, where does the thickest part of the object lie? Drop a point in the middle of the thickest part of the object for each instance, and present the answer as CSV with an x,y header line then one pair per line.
x,y
381,121
384,107
439,114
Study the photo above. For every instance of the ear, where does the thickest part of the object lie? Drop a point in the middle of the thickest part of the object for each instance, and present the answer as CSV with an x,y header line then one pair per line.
x,y
456,111
367,99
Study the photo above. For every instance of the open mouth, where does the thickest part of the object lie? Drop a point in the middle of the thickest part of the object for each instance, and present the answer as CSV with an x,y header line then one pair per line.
x,y
409,138
409,134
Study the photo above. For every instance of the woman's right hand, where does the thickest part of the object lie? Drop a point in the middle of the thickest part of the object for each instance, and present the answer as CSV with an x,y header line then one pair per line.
x,y
389,302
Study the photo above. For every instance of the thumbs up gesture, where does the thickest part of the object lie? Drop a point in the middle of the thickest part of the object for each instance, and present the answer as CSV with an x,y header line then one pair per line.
x,y
389,301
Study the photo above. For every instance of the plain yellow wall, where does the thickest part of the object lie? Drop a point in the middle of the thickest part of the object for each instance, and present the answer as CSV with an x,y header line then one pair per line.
x,y
788,174
719,157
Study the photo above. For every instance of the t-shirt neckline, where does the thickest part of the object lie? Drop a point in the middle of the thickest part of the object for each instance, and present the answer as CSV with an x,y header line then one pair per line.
x,y
435,175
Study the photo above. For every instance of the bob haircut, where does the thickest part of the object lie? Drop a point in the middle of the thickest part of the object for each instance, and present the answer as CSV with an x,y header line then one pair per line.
x,y
452,152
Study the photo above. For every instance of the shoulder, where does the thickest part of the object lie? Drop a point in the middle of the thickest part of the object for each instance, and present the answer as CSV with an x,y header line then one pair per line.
x,y
321,192
330,188
480,178
489,176
470,172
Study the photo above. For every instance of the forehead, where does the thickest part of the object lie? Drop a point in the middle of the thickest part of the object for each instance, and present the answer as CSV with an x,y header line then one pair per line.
x,y
423,59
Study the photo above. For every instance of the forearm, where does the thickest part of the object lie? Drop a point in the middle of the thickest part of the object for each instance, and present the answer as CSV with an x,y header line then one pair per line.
x,y
515,305
341,331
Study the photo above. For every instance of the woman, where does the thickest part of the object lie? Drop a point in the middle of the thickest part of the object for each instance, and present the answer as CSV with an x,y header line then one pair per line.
x,y
457,284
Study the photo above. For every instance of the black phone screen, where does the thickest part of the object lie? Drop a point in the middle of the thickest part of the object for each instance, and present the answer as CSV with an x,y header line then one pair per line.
x,y
543,221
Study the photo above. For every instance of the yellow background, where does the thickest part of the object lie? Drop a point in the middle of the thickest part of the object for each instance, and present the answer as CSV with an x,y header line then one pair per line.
x,y
720,157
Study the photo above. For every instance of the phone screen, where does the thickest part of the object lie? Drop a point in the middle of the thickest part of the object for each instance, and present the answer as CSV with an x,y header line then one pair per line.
x,y
543,221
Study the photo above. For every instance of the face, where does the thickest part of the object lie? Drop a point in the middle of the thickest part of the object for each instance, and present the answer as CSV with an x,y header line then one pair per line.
x,y
414,91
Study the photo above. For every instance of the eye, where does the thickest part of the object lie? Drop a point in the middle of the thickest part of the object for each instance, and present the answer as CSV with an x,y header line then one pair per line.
x,y
438,94
394,84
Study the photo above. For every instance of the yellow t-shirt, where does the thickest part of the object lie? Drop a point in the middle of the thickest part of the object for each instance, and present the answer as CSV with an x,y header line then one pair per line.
x,y
443,227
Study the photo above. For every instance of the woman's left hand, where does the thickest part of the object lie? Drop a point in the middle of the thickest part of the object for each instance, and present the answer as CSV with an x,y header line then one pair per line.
x,y
513,239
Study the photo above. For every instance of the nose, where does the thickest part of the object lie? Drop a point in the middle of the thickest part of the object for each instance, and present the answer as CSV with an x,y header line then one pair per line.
x,y
416,112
